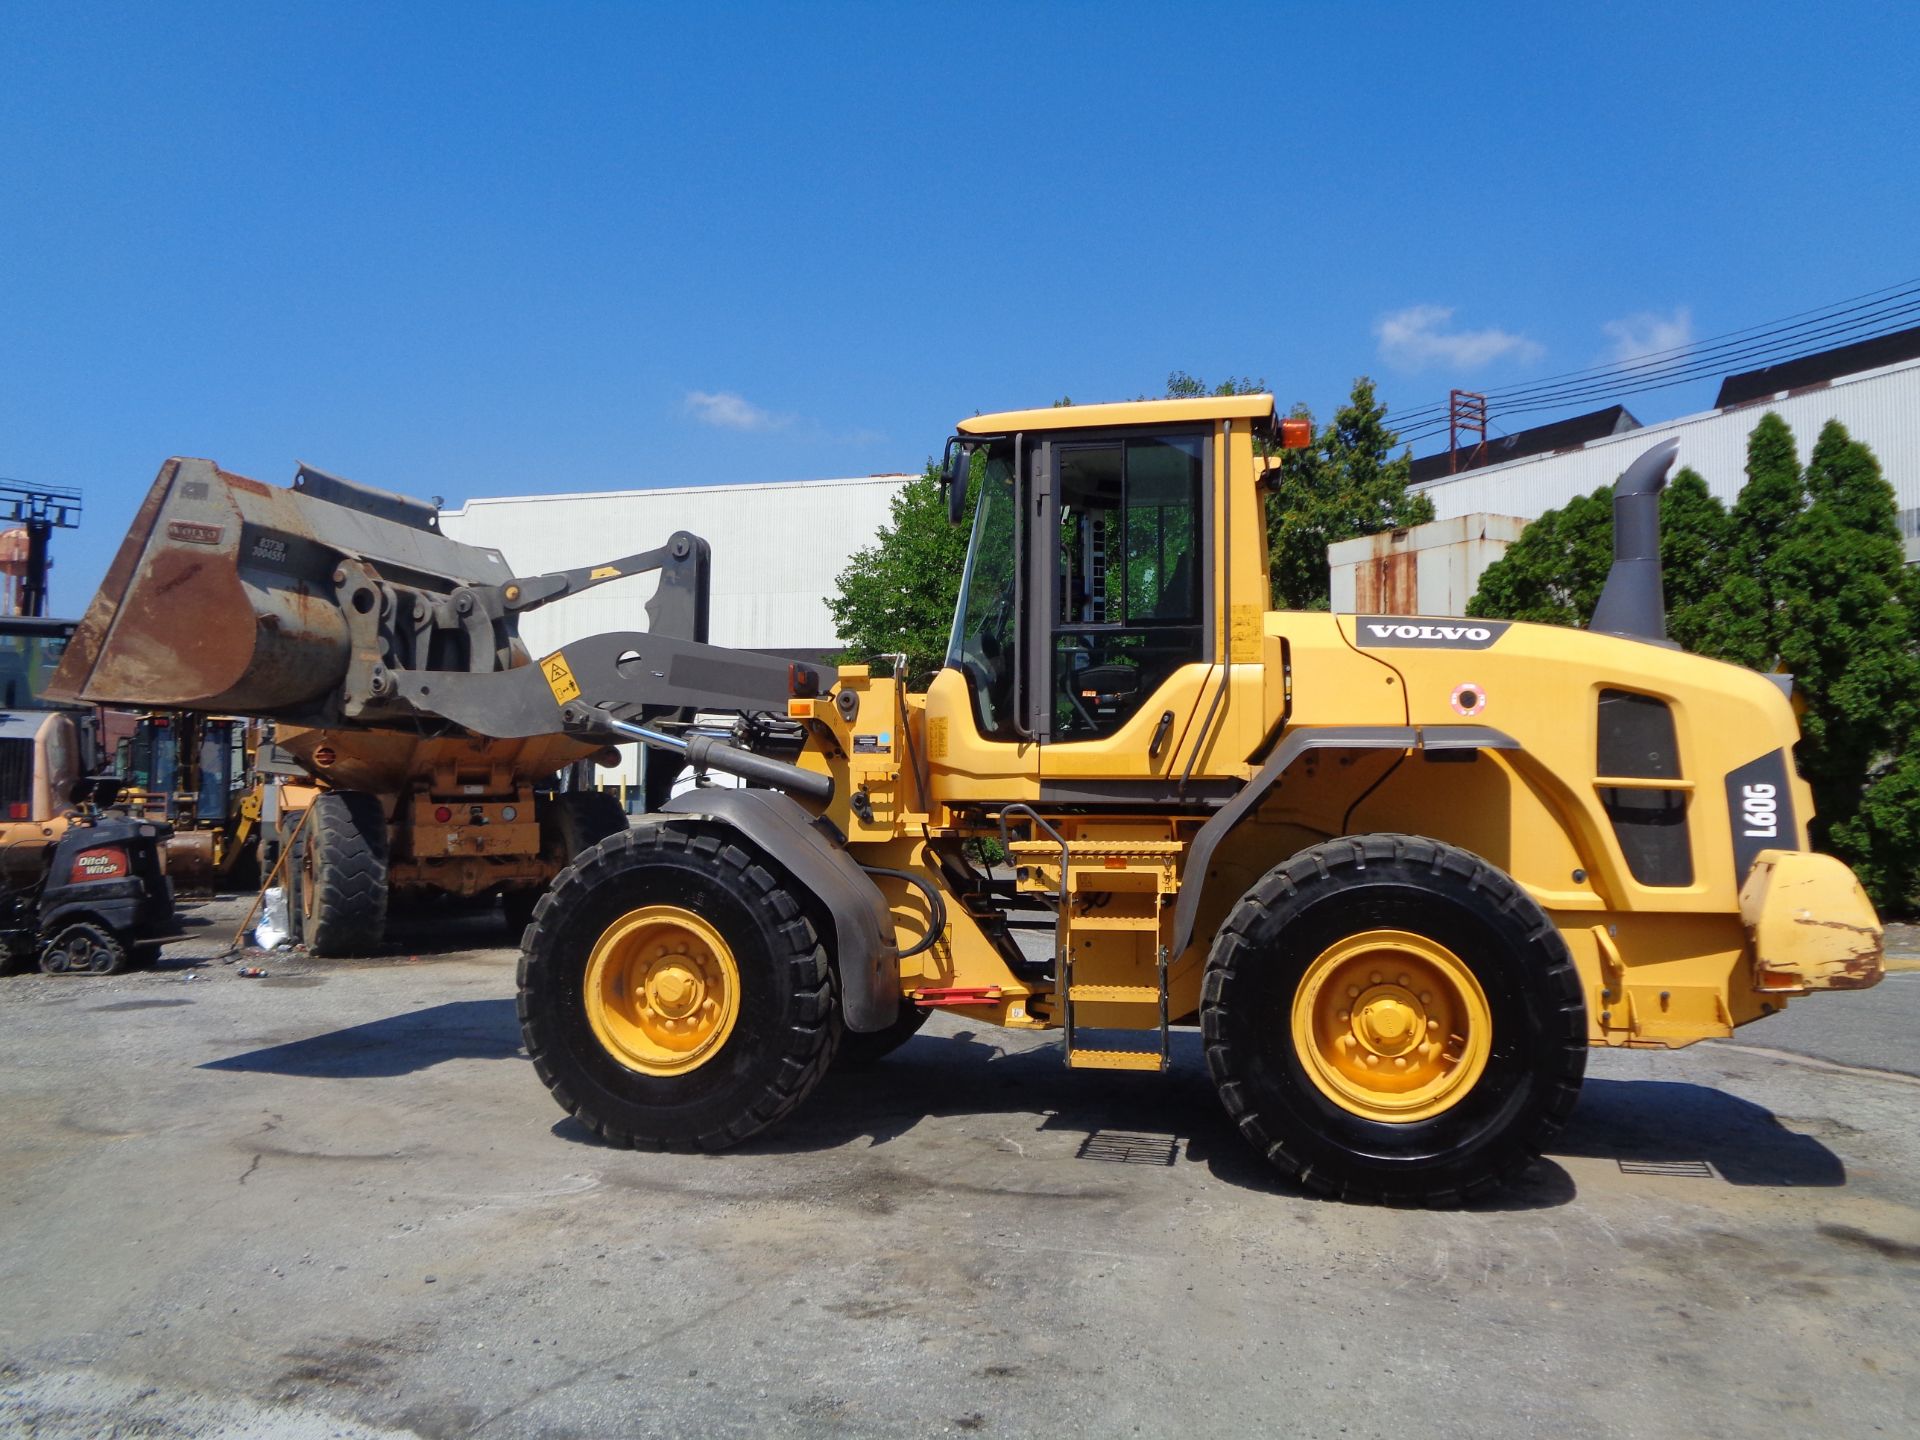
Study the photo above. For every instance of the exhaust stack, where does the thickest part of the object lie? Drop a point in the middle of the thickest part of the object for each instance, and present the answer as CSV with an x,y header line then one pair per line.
x,y
1633,602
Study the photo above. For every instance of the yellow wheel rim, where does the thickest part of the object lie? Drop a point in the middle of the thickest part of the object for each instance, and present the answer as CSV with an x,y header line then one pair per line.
x,y
1392,1026
662,990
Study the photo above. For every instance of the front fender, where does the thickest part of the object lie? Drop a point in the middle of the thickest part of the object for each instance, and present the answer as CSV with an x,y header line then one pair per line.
x,y
861,942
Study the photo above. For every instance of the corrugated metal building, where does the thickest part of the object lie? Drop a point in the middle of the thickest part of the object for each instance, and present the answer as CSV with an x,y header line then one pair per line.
x,y
776,551
1880,407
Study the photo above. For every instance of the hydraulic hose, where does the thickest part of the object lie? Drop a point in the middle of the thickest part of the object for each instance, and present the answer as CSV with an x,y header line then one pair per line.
x,y
936,906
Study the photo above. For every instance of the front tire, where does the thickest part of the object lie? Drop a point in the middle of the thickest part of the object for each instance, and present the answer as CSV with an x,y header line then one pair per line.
x,y
340,890
1390,1018
673,995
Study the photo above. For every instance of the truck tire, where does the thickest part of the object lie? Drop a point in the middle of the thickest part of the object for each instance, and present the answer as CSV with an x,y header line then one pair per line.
x,y
338,870
673,995
83,948
571,823
1389,1018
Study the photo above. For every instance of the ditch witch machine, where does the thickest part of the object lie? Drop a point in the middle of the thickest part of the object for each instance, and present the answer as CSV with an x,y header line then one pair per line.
x,y
1401,873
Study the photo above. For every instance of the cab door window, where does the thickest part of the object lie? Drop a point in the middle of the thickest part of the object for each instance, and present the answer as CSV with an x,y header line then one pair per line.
x,y
1130,598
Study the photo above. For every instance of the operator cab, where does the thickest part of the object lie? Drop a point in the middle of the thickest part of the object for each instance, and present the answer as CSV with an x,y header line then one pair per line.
x,y
1089,576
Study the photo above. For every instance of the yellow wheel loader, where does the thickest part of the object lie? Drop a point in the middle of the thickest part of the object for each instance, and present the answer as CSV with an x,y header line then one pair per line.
x,y
1402,873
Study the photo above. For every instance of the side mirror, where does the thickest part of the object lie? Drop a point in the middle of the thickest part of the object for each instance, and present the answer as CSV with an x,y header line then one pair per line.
x,y
954,470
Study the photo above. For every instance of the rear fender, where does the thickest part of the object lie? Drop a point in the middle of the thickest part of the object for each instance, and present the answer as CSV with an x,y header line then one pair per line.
x,y
861,943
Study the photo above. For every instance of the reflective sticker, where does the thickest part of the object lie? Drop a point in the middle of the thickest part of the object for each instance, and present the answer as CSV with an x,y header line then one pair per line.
x,y
1469,699
603,572
560,677
937,737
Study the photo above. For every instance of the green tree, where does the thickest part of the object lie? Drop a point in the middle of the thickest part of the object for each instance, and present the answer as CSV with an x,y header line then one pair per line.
x,y
1881,838
897,595
1741,621
1695,533
1182,386
1347,483
1845,622
1553,573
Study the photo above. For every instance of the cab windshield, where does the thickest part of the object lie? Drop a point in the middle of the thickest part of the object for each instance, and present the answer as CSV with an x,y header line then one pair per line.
x,y
30,651
982,646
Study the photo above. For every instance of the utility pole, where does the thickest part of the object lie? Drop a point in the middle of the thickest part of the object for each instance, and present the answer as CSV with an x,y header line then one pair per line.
x,y
1466,419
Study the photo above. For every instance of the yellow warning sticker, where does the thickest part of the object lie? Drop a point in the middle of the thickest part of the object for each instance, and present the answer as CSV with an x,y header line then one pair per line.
x,y
603,572
937,738
1245,632
560,678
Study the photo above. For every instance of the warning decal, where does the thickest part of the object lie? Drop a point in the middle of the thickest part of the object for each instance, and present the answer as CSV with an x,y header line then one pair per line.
x,y
560,677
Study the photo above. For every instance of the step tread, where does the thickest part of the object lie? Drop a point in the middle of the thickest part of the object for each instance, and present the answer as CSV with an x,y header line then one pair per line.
x,y
1081,850
1115,1060
1127,994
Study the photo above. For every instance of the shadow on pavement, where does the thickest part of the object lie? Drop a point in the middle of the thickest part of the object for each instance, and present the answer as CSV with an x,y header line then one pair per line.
x,y
1116,1112
1120,1114
1668,1122
397,1045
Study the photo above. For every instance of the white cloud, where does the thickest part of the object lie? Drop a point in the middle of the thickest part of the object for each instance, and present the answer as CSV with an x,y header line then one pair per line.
x,y
1648,333
729,411
1416,338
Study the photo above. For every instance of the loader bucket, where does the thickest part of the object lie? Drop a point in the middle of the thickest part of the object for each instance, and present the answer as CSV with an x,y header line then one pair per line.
x,y
224,597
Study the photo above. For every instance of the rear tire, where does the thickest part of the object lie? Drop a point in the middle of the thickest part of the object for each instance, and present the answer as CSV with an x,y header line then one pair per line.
x,y
673,995
83,949
1389,1018
339,864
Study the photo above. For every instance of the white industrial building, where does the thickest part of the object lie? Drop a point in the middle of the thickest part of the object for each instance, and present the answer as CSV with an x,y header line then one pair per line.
x,y
776,552
1880,407
1872,388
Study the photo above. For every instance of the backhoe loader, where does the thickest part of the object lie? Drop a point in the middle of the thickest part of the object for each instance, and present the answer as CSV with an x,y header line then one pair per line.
x,y
1401,873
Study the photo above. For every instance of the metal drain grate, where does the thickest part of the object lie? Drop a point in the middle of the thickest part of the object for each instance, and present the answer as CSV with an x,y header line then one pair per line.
x,y
1118,1147
1680,1169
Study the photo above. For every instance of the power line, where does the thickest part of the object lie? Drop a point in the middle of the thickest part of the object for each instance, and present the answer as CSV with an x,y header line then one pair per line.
x,y
1720,360
1554,400
1753,347
1816,316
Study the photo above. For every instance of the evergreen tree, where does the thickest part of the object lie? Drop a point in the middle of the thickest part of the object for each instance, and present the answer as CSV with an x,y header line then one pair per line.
x,y
1845,624
1347,483
1555,571
1881,838
1741,622
1695,534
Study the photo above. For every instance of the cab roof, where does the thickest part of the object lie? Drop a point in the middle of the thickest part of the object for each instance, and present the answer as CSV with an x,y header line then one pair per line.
x,y
1126,412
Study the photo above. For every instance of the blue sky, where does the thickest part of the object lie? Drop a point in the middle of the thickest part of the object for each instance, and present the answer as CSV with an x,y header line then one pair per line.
x,y
489,249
